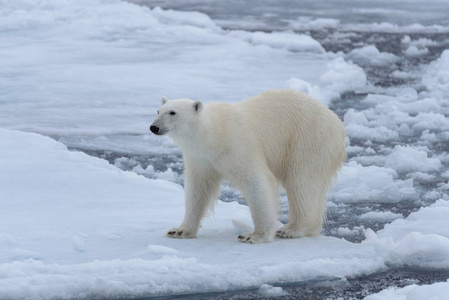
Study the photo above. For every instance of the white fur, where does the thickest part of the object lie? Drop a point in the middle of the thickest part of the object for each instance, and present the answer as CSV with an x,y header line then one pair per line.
x,y
277,136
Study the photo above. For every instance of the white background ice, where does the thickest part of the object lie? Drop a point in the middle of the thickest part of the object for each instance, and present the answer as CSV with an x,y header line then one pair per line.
x,y
90,74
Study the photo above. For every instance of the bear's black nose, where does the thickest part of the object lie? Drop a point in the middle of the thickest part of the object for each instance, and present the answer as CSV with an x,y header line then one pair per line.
x,y
154,129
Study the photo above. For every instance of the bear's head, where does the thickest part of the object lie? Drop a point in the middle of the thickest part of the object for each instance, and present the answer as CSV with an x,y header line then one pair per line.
x,y
176,116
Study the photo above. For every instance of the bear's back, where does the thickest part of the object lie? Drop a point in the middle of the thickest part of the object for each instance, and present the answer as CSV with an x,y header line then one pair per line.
x,y
287,121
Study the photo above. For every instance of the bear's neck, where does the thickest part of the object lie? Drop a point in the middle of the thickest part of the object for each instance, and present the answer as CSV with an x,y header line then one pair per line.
x,y
194,140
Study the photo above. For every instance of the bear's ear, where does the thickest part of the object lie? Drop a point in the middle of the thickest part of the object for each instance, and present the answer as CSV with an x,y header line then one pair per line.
x,y
164,100
198,106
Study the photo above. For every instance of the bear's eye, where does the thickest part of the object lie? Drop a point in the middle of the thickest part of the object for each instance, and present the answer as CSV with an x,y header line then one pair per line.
x,y
157,112
172,113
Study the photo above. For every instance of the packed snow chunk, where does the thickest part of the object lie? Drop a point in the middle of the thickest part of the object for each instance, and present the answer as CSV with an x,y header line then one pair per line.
x,y
148,171
185,18
407,159
381,216
267,290
308,23
427,220
370,55
340,77
430,120
79,243
345,231
7,240
435,291
283,40
312,90
423,42
373,133
420,240
168,175
343,76
372,184
436,77
415,51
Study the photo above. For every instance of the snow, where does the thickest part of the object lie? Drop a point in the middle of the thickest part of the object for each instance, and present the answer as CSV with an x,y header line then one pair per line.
x,y
104,61
436,291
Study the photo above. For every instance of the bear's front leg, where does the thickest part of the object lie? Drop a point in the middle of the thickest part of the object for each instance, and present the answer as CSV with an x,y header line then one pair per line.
x,y
201,186
261,194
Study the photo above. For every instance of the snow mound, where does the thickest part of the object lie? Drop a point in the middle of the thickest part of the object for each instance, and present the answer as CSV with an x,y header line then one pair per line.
x,y
340,77
281,40
420,240
415,51
436,77
436,291
267,290
381,215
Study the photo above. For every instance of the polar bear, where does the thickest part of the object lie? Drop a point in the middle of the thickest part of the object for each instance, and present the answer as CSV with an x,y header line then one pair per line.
x,y
279,136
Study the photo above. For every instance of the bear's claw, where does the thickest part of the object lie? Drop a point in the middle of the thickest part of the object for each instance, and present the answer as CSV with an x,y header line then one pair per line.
x,y
244,238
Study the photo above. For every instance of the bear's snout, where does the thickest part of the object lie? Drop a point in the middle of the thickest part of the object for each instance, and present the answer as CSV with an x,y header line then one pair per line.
x,y
154,129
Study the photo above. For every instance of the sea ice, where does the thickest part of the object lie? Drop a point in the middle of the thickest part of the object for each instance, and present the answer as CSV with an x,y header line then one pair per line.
x,y
85,229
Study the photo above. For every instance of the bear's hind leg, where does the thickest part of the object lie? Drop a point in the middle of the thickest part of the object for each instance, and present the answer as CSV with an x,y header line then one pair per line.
x,y
306,208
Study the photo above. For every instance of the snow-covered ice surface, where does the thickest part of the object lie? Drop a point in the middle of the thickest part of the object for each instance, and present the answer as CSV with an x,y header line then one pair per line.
x,y
89,74
436,291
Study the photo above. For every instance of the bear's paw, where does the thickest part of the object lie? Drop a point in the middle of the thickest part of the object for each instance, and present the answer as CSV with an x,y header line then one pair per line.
x,y
288,233
180,233
253,238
